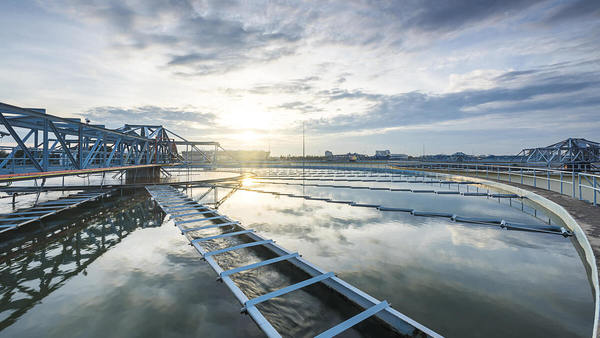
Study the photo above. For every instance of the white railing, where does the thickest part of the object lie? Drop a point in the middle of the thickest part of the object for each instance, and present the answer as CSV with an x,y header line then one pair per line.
x,y
580,185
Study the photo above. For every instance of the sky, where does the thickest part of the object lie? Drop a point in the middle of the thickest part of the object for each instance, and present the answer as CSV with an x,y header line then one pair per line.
x,y
479,77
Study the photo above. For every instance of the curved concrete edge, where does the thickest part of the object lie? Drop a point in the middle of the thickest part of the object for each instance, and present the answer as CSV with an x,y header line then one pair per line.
x,y
569,221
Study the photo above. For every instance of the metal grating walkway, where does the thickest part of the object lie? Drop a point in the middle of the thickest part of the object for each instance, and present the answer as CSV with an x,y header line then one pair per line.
x,y
178,205
45,209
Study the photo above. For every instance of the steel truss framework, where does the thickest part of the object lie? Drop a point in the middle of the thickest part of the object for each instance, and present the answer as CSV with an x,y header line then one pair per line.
x,y
42,142
572,151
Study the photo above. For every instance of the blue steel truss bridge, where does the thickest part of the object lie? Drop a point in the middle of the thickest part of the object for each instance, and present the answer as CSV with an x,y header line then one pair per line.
x,y
39,145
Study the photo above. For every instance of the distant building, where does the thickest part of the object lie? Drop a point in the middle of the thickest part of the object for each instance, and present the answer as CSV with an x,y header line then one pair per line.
x,y
381,154
349,157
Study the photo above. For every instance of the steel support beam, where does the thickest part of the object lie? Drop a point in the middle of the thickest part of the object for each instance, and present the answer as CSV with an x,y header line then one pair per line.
x,y
16,137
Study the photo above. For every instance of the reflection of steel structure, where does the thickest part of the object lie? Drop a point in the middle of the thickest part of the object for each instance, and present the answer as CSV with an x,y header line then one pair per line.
x,y
571,152
42,263
46,143
216,203
42,210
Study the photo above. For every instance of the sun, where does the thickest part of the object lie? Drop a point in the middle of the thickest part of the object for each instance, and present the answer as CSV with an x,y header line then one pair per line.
x,y
248,136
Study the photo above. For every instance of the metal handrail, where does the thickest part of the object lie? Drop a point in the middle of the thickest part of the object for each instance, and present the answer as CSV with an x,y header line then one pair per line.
x,y
583,185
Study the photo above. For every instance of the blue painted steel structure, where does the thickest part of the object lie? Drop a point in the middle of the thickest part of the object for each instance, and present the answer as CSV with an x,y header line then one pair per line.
x,y
42,142
572,153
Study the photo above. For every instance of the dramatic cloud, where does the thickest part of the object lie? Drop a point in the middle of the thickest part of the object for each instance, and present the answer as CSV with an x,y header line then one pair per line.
x,y
151,115
199,37
446,16
359,75
518,92
576,10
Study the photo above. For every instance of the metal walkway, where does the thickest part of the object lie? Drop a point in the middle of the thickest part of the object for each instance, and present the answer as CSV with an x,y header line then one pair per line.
x,y
503,224
45,209
438,192
179,205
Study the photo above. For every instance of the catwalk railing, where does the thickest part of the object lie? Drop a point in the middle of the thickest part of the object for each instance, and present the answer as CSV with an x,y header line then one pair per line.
x,y
579,185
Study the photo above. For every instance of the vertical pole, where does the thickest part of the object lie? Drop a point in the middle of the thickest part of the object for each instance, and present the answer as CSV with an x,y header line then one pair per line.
x,y
45,155
521,175
548,178
303,153
36,141
123,146
573,181
561,182
79,147
594,189
579,179
215,158
103,149
534,179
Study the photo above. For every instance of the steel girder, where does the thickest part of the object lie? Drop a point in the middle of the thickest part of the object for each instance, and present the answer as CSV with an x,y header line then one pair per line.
x,y
569,151
68,143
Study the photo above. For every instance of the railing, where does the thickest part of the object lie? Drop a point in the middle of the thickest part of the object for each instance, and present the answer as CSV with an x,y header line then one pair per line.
x,y
57,160
579,185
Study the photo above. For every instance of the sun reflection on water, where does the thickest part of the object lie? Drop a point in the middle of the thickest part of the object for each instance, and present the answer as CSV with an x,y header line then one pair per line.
x,y
248,182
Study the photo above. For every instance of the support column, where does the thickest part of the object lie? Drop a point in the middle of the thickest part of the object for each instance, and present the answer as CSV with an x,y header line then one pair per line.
x,y
142,175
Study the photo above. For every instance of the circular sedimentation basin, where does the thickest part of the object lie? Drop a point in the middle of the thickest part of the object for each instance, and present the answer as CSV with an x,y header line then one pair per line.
x,y
569,221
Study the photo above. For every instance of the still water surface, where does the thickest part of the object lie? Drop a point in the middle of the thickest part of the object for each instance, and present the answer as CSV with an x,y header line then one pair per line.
x,y
121,269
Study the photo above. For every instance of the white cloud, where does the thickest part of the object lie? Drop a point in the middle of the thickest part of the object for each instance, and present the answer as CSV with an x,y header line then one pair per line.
x,y
357,69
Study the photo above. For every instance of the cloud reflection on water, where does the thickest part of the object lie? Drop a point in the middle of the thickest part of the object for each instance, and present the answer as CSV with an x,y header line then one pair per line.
x,y
446,275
